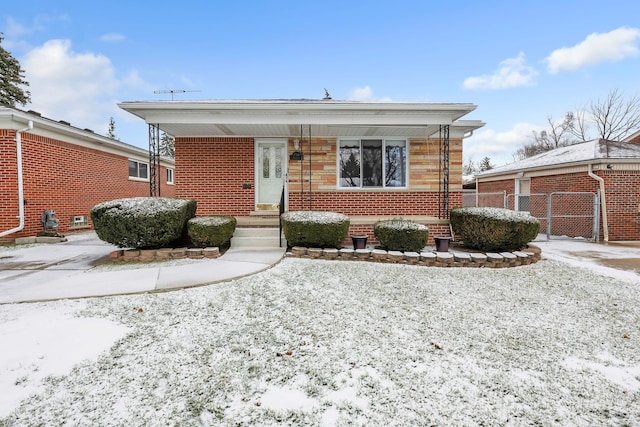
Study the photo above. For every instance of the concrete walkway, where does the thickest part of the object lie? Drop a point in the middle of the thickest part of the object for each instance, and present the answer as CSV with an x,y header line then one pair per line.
x,y
73,269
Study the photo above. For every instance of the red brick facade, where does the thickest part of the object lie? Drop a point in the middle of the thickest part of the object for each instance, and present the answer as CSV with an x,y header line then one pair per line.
x,y
219,173
622,191
66,177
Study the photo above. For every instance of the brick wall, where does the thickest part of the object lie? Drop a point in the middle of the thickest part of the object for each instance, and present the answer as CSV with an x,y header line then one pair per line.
x,y
212,171
64,177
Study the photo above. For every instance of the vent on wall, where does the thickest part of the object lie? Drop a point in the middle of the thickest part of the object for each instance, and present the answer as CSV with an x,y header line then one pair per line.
x,y
79,221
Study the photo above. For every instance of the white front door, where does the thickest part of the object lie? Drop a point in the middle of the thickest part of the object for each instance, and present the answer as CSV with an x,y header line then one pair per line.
x,y
271,172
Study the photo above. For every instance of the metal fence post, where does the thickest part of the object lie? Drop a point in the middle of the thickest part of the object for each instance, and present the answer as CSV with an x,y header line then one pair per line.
x,y
549,216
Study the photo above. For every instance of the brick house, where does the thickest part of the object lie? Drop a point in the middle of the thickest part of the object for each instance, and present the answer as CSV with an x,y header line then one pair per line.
x,y
67,170
608,168
368,160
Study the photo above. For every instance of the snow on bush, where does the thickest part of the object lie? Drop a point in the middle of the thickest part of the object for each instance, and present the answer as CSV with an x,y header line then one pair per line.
x,y
494,229
315,229
214,230
401,235
142,222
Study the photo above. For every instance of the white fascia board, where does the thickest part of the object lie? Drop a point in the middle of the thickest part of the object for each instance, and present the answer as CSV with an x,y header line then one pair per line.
x,y
61,131
314,113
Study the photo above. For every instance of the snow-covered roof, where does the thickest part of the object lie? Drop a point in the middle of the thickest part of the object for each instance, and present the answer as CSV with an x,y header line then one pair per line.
x,y
584,152
14,118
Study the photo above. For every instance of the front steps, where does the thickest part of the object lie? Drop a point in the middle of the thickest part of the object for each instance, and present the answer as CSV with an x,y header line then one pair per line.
x,y
257,237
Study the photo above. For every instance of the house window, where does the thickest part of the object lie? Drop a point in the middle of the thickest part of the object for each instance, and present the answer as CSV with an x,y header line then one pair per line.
x,y
372,163
169,176
138,170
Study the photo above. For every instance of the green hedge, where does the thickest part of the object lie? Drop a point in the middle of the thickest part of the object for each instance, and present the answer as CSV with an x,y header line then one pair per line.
x,y
494,229
401,235
142,222
215,230
315,229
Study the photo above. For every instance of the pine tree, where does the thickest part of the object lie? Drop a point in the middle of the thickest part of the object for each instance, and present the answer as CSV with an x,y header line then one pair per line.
x,y
111,133
167,145
11,80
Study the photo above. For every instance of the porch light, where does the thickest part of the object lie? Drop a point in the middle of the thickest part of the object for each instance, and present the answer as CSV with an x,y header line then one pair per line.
x,y
297,154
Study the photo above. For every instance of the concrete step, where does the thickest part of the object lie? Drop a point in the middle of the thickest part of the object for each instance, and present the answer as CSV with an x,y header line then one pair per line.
x,y
260,237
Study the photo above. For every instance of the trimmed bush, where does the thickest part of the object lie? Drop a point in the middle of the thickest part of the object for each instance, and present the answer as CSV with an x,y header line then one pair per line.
x,y
401,235
215,230
142,222
315,229
494,229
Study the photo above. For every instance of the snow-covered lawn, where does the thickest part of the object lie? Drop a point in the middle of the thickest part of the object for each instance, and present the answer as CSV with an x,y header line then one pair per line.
x,y
334,343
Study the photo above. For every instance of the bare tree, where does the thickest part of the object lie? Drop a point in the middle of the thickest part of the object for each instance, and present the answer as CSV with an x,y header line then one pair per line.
x,y
614,116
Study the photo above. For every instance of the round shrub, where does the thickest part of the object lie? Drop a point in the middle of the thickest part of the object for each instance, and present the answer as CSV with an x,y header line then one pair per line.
x,y
215,230
315,229
494,229
142,222
401,235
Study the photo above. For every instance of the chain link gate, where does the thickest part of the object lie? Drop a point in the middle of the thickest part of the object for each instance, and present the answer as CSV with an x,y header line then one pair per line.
x,y
562,215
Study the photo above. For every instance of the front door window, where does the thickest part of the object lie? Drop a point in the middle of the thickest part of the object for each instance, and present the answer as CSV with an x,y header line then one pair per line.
x,y
271,164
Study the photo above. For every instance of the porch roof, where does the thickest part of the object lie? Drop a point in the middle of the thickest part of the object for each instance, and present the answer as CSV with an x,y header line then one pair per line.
x,y
284,118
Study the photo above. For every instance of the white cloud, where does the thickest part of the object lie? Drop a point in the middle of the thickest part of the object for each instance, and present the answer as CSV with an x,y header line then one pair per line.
x,y
613,46
112,38
512,72
81,88
499,146
361,94
365,93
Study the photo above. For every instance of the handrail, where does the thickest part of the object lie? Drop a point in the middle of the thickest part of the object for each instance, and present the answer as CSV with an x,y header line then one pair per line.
x,y
280,212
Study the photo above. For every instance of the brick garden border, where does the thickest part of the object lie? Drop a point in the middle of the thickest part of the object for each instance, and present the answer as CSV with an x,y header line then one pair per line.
x,y
530,255
163,254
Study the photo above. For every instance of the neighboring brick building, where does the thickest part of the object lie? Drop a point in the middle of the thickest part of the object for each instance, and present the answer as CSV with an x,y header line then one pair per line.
x,y
609,167
67,170
368,160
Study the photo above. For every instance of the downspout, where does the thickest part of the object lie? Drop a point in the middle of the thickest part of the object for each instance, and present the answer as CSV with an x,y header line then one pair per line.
x,y
20,181
603,203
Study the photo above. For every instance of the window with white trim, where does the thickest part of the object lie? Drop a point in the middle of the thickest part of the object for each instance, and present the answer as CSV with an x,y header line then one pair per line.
x,y
169,176
372,163
138,170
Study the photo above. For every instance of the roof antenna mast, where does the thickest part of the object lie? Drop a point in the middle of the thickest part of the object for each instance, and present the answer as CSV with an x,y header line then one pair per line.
x,y
173,91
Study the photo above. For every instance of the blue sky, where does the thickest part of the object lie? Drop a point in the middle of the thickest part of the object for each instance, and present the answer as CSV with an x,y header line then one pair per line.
x,y
520,62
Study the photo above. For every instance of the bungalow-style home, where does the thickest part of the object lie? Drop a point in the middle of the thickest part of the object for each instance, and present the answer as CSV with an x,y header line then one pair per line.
x,y
52,174
369,160
610,170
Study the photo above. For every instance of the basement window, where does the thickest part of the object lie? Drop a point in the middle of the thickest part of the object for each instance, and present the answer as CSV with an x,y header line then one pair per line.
x,y
138,170
372,163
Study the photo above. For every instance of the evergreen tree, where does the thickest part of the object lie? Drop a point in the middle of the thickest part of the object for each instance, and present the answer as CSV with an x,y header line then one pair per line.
x,y
11,80
167,145
485,164
111,133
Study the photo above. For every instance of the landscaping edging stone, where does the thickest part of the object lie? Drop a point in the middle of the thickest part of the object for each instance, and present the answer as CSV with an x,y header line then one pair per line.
x,y
529,255
164,254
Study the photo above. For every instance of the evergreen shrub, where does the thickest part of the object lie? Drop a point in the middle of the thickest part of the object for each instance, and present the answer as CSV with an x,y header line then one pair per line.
x,y
215,230
314,229
494,229
142,222
401,235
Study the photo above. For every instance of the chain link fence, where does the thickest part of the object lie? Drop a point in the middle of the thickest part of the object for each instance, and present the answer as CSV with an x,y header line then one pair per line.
x,y
562,215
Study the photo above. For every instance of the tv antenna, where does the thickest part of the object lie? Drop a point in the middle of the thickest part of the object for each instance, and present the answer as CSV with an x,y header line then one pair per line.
x,y
173,91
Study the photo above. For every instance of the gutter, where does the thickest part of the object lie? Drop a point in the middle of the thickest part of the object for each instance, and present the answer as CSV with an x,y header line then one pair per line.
x,y
603,202
20,180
